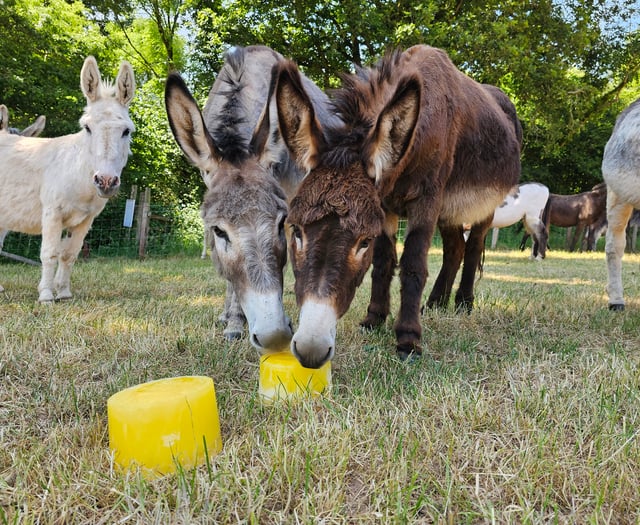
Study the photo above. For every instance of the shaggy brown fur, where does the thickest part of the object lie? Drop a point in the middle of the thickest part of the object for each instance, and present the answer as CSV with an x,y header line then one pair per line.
x,y
420,140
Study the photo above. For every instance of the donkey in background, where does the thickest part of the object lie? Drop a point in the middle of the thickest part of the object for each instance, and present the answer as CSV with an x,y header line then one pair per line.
x,y
581,211
33,130
621,173
524,202
54,184
249,177
421,140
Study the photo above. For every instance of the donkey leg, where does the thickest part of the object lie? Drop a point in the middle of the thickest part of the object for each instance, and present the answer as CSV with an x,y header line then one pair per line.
x,y
3,234
540,236
385,260
49,252
618,214
543,241
473,250
453,245
232,316
413,275
576,238
70,247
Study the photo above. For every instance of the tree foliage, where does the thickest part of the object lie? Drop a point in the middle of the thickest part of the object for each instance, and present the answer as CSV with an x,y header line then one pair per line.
x,y
570,66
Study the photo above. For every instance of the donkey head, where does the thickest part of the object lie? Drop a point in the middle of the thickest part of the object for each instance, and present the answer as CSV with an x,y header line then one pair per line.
x,y
106,124
30,131
337,211
245,210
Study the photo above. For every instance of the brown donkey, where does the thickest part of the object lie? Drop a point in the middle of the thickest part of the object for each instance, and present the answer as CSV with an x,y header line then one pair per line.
x,y
420,140
581,210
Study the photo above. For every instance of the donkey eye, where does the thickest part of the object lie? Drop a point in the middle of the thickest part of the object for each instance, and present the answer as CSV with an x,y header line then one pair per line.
x,y
281,225
297,236
364,244
220,233
126,132
295,230
87,129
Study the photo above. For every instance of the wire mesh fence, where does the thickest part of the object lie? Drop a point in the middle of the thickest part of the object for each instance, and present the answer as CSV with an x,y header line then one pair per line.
x,y
109,237
171,232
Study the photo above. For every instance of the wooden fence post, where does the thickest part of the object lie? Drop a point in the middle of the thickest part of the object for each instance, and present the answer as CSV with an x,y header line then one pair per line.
x,y
143,222
494,237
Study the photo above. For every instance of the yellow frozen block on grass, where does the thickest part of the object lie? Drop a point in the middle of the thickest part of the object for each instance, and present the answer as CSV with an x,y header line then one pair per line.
x,y
165,423
283,377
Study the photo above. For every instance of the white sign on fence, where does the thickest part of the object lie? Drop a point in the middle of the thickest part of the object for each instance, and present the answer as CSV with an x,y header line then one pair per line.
x,y
128,213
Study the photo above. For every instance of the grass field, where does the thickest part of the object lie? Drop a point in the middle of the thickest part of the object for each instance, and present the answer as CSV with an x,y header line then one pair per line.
x,y
525,411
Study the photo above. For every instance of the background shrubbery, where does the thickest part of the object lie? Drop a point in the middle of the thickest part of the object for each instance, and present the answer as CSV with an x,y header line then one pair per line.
x,y
570,66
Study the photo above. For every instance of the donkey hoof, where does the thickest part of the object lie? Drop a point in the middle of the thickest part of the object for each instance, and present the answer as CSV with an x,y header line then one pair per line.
x,y
464,307
408,351
616,307
408,357
64,296
46,296
372,321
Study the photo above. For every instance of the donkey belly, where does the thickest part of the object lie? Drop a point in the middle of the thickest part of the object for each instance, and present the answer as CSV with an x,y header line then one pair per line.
x,y
20,209
506,215
471,206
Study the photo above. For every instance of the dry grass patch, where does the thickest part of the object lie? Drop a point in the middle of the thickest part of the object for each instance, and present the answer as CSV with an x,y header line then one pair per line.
x,y
525,411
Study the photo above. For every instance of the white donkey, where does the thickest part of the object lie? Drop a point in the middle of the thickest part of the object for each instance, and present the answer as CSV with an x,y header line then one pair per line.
x,y
54,184
30,131
524,202
621,172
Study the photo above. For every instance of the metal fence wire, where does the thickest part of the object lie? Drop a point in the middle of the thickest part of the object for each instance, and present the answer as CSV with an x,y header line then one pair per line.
x,y
108,236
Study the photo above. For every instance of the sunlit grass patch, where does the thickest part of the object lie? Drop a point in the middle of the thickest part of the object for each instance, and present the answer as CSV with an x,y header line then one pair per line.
x,y
525,411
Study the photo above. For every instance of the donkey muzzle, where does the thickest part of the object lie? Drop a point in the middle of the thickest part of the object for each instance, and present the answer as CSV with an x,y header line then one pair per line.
x,y
107,185
314,342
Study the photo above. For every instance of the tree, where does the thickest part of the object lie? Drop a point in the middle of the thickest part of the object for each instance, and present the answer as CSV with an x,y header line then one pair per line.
x,y
565,64
41,62
148,29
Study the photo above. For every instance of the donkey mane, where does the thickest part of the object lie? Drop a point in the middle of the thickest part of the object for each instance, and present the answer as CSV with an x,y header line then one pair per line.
x,y
227,132
108,88
358,103
344,146
359,91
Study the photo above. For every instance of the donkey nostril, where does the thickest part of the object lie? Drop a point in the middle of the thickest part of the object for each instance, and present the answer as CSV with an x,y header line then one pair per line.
x,y
256,341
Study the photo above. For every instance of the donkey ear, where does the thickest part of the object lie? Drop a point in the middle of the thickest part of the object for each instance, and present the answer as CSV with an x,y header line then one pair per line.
x,y
90,79
266,141
188,127
125,84
394,131
4,118
299,127
36,128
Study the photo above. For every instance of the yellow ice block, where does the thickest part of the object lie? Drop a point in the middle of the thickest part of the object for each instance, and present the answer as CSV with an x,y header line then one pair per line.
x,y
283,377
160,424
